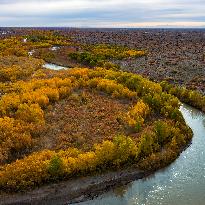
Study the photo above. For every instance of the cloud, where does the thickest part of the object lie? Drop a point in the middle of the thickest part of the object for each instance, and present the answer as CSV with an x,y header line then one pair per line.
x,y
100,13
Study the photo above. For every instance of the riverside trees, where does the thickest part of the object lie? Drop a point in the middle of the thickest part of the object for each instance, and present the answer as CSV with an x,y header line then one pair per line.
x,y
22,114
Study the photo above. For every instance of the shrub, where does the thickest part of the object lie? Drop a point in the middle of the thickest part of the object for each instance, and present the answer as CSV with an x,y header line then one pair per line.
x,y
135,117
14,137
147,145
52,93
29,172
9,104
30,113
55,166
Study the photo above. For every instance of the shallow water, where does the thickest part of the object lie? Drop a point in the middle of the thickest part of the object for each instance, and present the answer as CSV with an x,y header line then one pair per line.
x,y
53,66
54,48
182,183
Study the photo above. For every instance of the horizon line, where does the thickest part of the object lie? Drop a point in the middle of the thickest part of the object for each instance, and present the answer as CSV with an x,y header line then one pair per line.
x,y
93,27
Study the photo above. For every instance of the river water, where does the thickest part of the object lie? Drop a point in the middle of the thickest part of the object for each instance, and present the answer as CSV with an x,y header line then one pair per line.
x,y
53,66
182,183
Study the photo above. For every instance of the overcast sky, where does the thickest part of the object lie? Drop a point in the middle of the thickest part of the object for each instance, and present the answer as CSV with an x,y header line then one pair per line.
x,y
103,13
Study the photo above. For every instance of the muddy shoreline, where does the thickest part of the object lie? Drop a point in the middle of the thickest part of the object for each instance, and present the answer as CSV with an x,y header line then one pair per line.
x,y
74,190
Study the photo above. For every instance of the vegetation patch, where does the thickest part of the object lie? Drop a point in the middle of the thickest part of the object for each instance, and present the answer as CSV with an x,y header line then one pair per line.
x,y
102,54
14,68
191,97
98,119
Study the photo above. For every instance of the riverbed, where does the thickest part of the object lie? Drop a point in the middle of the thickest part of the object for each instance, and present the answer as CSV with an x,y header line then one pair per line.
x,y
181,183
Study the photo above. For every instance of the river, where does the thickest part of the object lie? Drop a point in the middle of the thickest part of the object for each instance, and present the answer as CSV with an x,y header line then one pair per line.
x,y
53,66
181,183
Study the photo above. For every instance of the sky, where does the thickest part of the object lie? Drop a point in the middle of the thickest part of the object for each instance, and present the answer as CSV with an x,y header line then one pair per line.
x,y
103,13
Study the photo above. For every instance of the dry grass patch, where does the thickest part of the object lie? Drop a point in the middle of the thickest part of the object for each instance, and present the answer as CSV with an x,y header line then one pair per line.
x,y
83,119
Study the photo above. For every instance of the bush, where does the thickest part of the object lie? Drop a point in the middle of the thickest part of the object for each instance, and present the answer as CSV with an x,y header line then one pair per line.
x,y
147,145
30,113
55,167
136,116
14,138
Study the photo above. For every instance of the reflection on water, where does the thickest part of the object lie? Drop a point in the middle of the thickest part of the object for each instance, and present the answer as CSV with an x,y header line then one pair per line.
x,y
182,183
54,48
53,66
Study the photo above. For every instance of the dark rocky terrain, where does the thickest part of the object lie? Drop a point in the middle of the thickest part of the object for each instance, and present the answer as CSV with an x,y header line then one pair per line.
x,y
175,55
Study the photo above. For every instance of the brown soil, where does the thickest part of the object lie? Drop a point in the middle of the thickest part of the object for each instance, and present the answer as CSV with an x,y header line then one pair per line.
x,y
83,119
